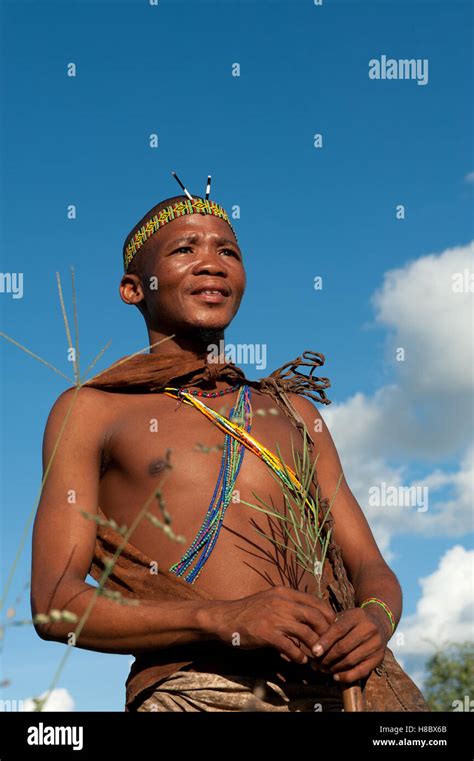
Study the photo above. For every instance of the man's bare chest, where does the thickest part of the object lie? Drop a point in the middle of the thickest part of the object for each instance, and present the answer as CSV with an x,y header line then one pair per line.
x,y
148,434
154,443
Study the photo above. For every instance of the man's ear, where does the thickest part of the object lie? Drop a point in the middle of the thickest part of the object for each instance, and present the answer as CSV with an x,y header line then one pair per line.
x,y
131,290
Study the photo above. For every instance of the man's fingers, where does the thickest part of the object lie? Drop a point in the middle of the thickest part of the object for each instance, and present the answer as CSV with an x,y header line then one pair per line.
x,y
289,651
321,607
339,629
310,601
315,619
351,659
346,644
360,671
305,636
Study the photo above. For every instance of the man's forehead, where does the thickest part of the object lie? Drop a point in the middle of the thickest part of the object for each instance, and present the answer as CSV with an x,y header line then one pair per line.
x,y
196,227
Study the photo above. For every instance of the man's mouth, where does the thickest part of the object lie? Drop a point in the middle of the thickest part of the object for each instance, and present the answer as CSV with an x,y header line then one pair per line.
x,y
212,296
213,292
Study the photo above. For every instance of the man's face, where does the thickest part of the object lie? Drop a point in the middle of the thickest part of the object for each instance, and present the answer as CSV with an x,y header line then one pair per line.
x,y
190,254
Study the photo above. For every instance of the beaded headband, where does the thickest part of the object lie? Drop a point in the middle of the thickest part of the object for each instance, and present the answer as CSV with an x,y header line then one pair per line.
x,y
173,211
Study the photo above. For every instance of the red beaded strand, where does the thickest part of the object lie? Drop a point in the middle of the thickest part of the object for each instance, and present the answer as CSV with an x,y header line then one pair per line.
x,y
209,394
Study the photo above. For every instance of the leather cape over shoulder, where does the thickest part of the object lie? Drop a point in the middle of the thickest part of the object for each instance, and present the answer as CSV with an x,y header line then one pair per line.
x,y
152,372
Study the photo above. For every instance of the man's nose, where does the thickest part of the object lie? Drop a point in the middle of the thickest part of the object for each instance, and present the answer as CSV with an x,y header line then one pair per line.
x,y
210,259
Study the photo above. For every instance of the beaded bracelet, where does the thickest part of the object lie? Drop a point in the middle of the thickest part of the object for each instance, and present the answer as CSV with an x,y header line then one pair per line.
x,y
382,605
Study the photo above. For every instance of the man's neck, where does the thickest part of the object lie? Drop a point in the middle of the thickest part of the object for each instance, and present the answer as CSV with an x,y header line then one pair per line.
x,y
198,343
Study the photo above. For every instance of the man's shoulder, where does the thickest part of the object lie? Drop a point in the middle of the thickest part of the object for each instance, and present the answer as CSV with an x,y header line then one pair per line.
x,y
84,395
76,427
304,406
84,406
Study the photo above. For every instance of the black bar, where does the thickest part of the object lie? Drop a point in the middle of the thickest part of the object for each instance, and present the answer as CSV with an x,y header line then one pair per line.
x,y
304,735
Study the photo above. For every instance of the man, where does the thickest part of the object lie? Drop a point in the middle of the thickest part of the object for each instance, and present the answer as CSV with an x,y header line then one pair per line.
x,y
248,631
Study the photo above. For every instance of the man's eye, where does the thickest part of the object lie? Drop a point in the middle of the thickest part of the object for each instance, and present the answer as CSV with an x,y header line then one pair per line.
x,y
231,251
227,250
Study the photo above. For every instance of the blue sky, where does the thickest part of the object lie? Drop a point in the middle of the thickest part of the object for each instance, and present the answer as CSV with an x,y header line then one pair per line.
x,y
305,212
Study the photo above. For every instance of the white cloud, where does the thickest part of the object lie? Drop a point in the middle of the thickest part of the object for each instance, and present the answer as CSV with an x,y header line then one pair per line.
x,y
365,469
433,323
59,700
452,517
445,610
469,177
425,416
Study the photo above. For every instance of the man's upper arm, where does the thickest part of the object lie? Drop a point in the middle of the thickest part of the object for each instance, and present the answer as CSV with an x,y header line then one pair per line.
x,y
351,529
63,540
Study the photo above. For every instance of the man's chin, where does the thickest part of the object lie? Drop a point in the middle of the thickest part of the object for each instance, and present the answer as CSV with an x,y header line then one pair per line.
x,y
208,322
206,334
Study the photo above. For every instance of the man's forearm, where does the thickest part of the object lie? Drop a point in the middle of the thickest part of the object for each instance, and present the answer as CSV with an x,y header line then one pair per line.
x,y
114,627
378,580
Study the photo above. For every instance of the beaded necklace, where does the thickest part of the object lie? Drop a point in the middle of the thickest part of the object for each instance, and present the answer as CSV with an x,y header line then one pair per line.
x,y
232,457
209,394
242,435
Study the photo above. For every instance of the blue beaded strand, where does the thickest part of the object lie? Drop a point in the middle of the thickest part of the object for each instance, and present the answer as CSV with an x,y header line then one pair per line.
x,y
231,462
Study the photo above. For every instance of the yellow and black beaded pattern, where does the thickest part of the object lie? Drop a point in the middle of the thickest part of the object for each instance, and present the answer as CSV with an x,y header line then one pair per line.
x,y
178,209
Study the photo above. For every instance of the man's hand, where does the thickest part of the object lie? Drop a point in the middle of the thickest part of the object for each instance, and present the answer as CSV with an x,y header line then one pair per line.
x,y
290,621
353,645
